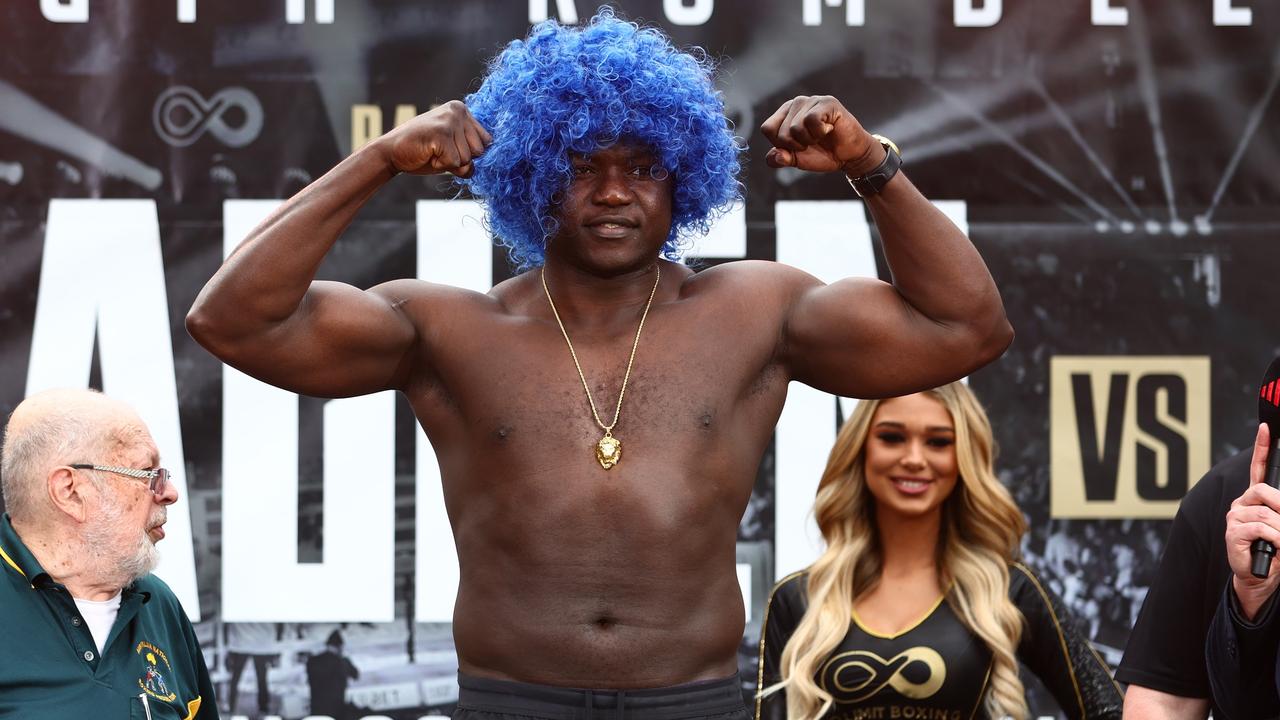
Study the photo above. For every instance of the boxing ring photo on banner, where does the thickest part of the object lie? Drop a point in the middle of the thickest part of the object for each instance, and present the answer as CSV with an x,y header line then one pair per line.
x,y
670,359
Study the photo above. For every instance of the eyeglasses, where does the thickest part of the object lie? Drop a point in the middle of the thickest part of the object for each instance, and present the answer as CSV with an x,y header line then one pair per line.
x,y
157,480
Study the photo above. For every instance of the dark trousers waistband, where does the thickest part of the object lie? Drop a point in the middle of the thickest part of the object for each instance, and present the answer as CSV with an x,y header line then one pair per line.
x,y
699,699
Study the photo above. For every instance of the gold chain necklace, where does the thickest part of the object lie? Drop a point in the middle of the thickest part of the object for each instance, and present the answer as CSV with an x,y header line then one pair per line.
x,y
608,450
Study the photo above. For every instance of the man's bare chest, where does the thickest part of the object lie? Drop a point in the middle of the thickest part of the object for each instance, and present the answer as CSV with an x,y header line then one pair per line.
x,y
692,377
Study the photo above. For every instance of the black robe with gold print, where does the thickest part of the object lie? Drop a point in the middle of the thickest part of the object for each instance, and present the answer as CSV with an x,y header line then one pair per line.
x,y
937,669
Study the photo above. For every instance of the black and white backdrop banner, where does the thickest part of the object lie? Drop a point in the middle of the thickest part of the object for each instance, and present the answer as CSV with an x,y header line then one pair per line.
x,y
1112,159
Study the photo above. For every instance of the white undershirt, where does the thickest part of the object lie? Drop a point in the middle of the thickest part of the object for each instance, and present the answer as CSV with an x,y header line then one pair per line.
x,y
99,615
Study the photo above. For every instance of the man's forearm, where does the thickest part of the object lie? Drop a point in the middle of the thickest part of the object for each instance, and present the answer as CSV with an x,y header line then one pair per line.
x,y
1142,703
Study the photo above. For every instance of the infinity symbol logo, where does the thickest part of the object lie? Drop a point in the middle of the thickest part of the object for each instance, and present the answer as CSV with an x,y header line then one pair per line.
x,y
181,115
855,676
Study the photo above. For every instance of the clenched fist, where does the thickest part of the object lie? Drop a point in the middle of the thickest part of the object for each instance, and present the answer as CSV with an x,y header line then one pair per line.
x,y
816,133
443,140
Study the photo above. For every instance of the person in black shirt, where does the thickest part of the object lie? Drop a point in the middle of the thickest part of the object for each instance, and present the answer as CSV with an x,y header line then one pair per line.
x,y
1244,637
328,673
917,608
1164,660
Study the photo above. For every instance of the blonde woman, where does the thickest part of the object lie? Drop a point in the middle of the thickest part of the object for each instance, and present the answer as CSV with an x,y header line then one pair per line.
x,y
918,608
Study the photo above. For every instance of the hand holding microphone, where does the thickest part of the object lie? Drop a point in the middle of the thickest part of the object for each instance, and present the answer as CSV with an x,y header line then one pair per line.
x,y
1268,415
1253,523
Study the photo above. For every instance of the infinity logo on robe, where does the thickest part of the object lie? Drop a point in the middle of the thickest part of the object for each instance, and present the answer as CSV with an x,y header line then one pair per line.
x,y
916,673
181,116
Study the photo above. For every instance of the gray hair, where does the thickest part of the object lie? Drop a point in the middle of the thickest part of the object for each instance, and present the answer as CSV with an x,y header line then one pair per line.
x,y
40,441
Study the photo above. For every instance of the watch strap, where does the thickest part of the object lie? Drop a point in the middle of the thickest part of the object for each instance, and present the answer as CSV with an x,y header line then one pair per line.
x,y
874,181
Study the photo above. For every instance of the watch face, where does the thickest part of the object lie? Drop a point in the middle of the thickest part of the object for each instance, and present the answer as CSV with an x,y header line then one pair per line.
x,y
887,143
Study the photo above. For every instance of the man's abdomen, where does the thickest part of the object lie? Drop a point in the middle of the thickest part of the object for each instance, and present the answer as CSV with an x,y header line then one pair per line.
x,y
600,619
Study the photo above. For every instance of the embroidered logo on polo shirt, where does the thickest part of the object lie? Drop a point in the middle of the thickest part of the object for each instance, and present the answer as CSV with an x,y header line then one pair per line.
x,y
153,675
916,673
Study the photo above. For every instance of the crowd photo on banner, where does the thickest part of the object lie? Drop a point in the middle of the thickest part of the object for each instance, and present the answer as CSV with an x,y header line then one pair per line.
x,y
1110,164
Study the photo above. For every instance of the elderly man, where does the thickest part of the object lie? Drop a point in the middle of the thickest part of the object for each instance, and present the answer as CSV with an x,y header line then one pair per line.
x,y
85,630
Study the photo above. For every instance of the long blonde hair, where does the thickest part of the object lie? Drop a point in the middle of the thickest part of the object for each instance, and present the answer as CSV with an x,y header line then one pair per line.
x,y
981,531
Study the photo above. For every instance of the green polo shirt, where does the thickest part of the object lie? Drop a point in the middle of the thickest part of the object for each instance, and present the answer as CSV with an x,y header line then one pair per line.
x,y
49,664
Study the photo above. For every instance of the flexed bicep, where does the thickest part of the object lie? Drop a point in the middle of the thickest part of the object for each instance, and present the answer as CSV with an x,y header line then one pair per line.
x,y
263,313
859,337
340,341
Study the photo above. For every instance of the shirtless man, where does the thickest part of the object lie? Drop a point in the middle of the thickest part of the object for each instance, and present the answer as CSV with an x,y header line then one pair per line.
x,y
574,575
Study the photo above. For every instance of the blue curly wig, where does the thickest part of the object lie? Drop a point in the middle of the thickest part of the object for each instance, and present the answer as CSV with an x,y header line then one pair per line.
x,y
569,90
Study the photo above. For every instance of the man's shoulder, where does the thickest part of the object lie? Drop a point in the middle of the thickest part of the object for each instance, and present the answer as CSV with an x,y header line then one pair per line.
x,y
421,298
754,280
154,585
159,596
1222,484
757,271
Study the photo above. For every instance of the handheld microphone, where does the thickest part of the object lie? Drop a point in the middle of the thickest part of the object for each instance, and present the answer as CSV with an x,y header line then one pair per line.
x,y
1268,412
